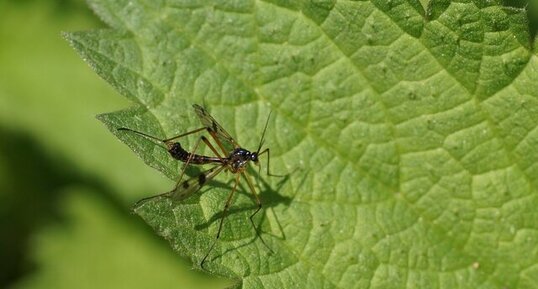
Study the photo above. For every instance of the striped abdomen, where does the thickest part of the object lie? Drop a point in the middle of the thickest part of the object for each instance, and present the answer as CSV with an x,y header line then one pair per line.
x,y
177,152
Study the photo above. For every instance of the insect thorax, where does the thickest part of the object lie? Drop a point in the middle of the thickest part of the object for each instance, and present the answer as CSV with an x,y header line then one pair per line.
x,y
238,159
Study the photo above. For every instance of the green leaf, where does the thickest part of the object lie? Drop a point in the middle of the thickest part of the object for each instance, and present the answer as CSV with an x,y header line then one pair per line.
x,y
408,137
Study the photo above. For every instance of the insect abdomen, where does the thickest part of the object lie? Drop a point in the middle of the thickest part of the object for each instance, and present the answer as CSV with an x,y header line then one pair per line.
x,y
179,153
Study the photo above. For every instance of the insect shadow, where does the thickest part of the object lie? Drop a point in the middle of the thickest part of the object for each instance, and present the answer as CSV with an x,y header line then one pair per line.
x,y
271,198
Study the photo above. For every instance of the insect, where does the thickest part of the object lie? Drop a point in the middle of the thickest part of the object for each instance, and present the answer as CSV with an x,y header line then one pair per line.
x,y
232,158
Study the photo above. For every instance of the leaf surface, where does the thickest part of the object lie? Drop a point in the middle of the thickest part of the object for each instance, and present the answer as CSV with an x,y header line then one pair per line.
x,y
409,137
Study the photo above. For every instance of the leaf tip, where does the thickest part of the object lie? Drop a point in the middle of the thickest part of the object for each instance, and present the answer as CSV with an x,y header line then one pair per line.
x,y
70,37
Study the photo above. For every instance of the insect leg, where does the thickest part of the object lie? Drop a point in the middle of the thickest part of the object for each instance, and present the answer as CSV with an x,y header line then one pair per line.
x,y
182,135
206,141
268,161
166,141
224,215
212,133
259,203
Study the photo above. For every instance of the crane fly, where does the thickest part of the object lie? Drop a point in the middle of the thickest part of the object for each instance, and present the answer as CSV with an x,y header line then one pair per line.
x,y
232,158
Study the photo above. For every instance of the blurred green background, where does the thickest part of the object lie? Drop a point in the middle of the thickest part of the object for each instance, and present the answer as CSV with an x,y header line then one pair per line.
x,y
66,184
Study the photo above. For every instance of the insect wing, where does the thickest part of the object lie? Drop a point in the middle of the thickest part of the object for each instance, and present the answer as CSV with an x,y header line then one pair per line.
x,y
216,129
188,187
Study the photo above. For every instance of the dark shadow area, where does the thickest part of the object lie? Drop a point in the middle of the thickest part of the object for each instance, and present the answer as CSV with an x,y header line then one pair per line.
x,y
31,183
273,198
30,177
269,198
532,14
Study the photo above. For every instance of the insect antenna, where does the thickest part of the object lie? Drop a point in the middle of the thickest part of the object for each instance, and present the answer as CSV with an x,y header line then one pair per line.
x,y
263,134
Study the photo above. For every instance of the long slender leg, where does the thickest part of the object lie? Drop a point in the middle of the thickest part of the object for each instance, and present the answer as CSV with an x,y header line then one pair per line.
x,y
224,215
219,143
166,141
206,141
259,203
183,134
268,161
